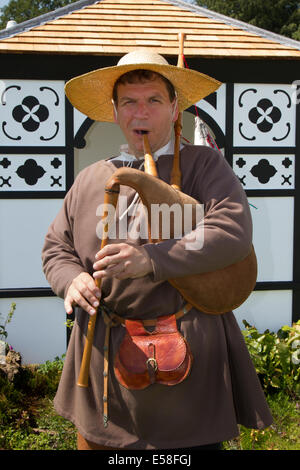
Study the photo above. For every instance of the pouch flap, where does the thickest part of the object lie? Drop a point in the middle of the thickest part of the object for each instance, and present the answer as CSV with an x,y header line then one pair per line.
x,y
169,350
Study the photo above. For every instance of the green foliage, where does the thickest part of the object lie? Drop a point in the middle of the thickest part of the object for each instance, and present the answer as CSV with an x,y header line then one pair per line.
x,y
39,429
276,357
69,324
283,434
3,332
278,16
32,381
28,420
44,380
11,399
22,10
52,368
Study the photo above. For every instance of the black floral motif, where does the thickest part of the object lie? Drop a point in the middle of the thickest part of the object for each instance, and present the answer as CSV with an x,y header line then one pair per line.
x,y
56,163
5,162
30,171
264,115
240,162
287,162
30,113
263,171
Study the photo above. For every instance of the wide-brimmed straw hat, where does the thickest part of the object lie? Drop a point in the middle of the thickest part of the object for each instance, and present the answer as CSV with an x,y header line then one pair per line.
x,y
91,93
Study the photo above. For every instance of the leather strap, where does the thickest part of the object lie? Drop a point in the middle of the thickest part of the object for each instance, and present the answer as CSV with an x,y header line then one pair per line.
x,y
111,319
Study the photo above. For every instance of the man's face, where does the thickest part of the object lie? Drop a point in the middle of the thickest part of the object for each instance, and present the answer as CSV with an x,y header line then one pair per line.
x,y
145,107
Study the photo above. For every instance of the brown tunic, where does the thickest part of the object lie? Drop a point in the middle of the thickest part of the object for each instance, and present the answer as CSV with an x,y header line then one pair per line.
x,y
222,389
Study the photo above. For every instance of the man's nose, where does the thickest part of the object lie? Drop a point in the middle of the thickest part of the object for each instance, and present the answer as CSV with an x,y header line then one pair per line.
x,y
141,110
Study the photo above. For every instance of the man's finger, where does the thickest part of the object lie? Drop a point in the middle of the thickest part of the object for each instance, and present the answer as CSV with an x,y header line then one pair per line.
x,y
109,250
68,306
110,271
84,293
87,289
85,305
107,261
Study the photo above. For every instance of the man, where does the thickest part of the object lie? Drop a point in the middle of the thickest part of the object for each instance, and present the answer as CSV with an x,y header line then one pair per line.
x,y
143,94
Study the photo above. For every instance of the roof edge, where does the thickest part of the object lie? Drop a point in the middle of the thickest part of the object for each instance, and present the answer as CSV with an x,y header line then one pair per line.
x,y
238,23
50,16
59,12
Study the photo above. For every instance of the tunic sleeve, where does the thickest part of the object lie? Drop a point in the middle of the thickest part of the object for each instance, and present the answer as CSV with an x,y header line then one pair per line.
x,y
225,234
61,263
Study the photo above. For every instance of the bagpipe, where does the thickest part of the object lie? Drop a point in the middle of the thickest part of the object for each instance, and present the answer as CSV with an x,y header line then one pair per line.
x,y
214,292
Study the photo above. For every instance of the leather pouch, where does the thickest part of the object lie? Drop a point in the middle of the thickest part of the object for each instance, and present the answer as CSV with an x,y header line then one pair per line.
x,y
161,356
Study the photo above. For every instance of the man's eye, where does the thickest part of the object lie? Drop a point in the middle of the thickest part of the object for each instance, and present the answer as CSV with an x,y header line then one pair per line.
x,y
127,102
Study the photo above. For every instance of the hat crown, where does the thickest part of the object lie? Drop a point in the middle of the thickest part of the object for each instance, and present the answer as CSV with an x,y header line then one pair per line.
x,y
91,93
142,56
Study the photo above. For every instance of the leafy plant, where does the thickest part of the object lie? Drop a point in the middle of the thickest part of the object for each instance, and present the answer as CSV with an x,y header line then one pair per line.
x,y
43,380
28,420
52,367
3,332
276,357
69,323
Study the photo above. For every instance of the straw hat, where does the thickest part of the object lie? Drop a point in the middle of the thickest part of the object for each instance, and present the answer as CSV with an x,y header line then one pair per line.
x,y
91,93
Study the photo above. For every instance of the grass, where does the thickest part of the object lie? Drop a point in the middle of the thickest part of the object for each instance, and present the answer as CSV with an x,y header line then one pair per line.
x,y
283,434
39,428
28,420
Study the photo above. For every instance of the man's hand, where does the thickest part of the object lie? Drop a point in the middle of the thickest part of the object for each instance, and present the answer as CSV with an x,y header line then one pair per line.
x,y
122,261
84,293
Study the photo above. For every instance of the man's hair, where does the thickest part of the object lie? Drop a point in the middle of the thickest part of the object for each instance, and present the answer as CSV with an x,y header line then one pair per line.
x,y
142,76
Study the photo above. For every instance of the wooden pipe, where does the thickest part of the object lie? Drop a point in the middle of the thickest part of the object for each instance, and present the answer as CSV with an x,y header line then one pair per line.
x,y
149,163
176,172
110,198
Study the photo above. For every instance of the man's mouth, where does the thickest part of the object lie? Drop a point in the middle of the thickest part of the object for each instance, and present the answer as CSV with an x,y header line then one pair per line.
x,y
141,131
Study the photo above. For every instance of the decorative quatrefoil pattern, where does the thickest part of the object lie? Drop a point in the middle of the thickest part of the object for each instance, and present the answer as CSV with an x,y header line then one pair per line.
x,y
32,113
265,171
32,173
264,115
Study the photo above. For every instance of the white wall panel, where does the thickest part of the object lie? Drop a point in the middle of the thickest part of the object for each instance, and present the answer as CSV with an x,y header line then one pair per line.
x,y
273,225
32,113
32,173
23,226
266,310
37,329
264,115
265,171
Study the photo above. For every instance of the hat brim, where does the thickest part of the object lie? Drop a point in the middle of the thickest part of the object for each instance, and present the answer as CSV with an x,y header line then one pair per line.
x,y
91,93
